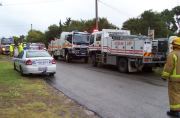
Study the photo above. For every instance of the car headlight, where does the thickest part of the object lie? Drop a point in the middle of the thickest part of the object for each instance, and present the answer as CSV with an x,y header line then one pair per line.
x,y
3,49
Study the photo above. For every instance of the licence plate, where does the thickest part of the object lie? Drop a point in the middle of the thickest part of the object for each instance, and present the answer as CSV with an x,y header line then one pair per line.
x,y
42,68
42,62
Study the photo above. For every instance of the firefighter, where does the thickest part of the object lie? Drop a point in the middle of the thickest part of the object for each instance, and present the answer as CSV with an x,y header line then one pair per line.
x,y
171,73
20,48
11,50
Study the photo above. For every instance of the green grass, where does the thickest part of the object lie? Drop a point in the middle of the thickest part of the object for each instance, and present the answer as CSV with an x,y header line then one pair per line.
x,y
23,97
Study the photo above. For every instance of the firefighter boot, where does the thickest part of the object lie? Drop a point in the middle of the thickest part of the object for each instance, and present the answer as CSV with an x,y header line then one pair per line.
x,y
175,114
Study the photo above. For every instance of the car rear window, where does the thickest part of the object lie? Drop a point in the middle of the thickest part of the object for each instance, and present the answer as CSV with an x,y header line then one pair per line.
x,y
33,54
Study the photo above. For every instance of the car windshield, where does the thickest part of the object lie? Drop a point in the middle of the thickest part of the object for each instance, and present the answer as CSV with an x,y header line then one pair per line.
x,y
81,39
33,54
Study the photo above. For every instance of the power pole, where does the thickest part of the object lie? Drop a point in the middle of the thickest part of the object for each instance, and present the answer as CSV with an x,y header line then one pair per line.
x,y
96,7
31,27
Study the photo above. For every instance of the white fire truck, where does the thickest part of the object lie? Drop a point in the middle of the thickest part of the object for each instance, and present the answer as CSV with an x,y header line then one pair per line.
x,y
130,53
71,45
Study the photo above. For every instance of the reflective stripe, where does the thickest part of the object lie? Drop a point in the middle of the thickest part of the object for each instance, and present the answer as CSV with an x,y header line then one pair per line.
x,y
11,48
177,106
175,64
165,74
174,76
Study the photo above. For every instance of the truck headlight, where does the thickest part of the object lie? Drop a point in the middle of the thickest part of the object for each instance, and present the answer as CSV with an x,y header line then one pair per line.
x,y
3,49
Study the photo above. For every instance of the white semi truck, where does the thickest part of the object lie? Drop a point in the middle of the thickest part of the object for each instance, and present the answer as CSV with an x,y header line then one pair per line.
x,y
130,53
71,45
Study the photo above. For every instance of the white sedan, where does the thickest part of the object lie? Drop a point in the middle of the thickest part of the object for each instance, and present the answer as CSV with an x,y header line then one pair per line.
x,y
35,62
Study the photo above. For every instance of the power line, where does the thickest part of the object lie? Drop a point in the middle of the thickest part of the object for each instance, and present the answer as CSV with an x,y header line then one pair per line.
x,y
114,8
30,3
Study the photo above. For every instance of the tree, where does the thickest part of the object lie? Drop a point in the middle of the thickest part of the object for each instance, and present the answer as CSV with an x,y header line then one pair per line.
x,y
67,22
16,40
52,33
167,16
148,19
35,36
86,25
153,20
104,24
133,24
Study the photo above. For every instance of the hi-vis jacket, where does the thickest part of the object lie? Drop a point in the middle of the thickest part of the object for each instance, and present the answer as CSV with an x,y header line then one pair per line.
x,y
20,48
11,48
172,67
171,72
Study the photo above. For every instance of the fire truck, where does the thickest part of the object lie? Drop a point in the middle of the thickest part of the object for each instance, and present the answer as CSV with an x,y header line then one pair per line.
x,y
130,53
71,45
5,44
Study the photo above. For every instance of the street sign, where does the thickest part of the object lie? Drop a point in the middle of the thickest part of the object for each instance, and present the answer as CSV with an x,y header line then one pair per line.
x,y
151,34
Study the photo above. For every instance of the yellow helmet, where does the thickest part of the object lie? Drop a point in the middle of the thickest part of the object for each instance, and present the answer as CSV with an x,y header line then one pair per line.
x,y
176,41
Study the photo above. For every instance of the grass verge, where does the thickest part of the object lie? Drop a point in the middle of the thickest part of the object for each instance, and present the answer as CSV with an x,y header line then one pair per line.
x,y
23,97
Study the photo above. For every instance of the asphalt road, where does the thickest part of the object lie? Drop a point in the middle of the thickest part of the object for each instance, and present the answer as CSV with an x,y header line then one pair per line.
x,y
112,94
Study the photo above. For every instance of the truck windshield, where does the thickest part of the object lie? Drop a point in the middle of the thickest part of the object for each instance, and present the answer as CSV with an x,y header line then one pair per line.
x,y
80,39
6,41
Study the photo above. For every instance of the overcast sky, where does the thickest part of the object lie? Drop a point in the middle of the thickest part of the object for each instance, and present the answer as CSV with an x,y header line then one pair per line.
x,y
18,15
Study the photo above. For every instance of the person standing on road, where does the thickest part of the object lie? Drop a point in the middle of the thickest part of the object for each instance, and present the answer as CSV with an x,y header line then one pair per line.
x,y
16,52
171,73
20,48
11,49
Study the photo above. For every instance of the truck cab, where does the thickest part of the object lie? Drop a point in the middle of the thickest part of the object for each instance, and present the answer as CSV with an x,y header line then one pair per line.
x,y
71,45
5,45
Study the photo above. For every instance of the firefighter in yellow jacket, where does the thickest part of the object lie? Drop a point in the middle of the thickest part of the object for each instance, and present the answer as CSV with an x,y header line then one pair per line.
x,y
11,49
20,48
171,73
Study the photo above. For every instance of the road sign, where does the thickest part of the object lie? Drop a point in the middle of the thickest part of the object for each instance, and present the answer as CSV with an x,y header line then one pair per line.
x,y
151,34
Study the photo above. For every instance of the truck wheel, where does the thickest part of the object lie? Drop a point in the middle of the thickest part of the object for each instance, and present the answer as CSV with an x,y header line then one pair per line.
x,y
94,63
123,65
86,60
67,59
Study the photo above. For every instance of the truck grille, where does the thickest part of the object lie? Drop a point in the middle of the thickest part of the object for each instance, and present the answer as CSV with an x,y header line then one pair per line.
x,y
81,50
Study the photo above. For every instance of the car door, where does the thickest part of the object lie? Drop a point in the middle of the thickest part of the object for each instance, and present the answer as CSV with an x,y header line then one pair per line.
x,y
19,60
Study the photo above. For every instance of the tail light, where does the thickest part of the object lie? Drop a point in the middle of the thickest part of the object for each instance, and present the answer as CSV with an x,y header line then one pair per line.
x,y
28,62
53,61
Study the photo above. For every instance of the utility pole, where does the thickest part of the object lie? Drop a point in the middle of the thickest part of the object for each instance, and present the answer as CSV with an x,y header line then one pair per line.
x,y
31,27
96,7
